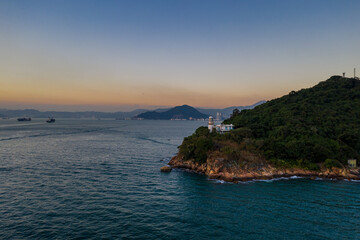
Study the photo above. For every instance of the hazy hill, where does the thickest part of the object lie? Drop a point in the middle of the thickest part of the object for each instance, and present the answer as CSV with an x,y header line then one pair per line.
x,y
227,111
179,112
119,115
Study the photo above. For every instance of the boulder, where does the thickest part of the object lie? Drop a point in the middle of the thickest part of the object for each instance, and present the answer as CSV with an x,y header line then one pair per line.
x,y
165,169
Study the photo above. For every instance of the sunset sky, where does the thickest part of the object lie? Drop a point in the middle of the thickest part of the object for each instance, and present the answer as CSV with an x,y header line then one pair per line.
x,y
121,55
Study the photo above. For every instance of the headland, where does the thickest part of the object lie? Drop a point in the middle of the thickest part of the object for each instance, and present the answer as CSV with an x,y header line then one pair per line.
x,y
313,132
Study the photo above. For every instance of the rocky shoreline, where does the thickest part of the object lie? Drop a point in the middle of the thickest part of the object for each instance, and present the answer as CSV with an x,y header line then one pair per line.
x,y
217,168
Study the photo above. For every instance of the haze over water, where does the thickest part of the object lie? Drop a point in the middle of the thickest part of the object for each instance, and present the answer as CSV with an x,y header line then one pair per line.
x,y
101,179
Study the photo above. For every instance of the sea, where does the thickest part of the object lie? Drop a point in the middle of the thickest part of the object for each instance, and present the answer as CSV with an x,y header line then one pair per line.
x,y
101,179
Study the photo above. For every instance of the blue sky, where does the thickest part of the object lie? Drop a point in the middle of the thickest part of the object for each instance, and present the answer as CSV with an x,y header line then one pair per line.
x,y
113,55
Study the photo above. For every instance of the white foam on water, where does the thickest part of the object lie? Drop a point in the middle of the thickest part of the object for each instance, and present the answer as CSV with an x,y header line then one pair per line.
x,y
295,177
244,182
21,124
220,181
353,180
263,180
281,178
275,179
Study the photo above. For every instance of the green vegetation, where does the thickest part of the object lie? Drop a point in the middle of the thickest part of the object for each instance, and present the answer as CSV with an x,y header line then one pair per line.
x,y
330,163
197,145
319,125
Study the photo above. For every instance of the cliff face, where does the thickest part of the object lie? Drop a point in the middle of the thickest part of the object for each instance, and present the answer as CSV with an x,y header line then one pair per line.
x,y
217,167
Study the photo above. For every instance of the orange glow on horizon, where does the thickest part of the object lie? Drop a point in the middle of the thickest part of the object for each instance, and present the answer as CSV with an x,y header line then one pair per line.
x,y
127,95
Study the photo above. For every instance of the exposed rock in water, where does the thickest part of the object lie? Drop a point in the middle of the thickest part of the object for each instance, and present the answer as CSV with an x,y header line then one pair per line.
x,y
165,169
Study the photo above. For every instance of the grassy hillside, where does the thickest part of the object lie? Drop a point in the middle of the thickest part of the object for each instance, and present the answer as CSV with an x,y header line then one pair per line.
x,y
304,128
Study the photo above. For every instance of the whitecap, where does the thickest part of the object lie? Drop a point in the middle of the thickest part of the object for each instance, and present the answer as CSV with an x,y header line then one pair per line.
x,y
295,177
353,180
219,181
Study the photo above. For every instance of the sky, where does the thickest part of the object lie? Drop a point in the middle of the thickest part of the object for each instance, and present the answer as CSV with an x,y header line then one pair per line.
x,y
122,55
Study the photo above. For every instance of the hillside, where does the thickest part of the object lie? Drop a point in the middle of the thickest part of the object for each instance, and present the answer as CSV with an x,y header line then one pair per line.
x,y
179,112
313,124
310,129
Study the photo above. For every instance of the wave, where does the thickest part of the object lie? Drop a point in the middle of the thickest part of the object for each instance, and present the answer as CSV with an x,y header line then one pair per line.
x,y
23,124
50,134
259,180
155,141
351,180
277,179
222,181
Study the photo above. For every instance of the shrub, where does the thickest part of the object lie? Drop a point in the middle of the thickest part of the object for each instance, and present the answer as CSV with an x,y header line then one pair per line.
x,y
230,152
197,145
330,163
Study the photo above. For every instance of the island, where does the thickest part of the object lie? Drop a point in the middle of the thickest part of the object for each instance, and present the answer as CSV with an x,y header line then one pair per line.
x,y
312,132
184,112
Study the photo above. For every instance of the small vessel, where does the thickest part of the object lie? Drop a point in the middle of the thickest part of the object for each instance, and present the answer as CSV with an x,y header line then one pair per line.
x,y
24,119
50,120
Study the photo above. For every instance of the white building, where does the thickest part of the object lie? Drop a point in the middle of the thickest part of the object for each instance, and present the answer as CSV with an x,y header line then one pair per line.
x,y
224,128
221,128
211,124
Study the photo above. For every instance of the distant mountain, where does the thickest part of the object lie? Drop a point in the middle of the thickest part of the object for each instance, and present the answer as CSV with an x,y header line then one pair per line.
x,y
118,115
226,112
179,112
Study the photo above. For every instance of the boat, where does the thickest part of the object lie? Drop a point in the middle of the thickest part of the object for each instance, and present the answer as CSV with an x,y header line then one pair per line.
x,y
50,120
24,119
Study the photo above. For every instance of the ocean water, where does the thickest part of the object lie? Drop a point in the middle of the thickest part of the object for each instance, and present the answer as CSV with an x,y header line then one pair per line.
x,y
92,179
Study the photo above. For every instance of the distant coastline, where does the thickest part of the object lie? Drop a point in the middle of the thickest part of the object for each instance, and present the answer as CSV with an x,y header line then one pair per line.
x,y
9,113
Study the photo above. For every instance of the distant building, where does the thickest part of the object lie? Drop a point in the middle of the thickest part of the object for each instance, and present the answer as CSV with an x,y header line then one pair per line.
x,y
224,128
352,163
218,116
221,128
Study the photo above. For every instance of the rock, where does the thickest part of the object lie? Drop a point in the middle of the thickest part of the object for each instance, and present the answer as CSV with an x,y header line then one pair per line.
x,y
219,168
165,169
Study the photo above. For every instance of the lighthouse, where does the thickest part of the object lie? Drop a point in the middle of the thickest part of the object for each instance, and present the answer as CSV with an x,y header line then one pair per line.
x,y
211,124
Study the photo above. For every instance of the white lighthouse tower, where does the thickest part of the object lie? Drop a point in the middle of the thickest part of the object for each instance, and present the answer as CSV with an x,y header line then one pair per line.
x,y
211,124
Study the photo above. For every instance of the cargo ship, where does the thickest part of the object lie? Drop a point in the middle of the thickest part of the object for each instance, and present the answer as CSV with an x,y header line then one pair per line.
x,y
50,120
24,119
